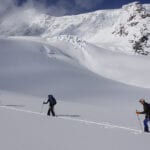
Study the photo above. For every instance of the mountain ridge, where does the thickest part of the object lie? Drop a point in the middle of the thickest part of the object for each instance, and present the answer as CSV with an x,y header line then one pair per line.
x,y
92,27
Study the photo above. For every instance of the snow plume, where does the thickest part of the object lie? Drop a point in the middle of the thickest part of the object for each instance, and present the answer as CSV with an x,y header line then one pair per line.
x,y
17,17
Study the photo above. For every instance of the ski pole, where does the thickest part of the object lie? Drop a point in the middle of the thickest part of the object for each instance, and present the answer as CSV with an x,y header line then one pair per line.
x,y
139,122
42,108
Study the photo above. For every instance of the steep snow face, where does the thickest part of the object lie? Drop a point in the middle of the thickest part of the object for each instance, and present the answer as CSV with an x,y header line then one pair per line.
x,y
38,68
116,66
84,25
134,24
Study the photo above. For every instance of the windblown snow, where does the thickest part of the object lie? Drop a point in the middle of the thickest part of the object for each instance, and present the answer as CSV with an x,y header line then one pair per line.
x,y
95,64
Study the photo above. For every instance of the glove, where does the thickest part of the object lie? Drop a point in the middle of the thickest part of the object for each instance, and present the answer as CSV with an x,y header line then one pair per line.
x,y
138,113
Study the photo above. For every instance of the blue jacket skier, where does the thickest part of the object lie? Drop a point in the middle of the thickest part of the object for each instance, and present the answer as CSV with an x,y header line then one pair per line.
x,y
146,111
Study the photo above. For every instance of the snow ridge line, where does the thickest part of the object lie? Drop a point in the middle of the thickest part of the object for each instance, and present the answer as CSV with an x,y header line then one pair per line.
x,y
106,125
21,110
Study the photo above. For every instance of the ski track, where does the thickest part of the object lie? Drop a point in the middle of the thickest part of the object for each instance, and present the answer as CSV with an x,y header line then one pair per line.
x,y
87,122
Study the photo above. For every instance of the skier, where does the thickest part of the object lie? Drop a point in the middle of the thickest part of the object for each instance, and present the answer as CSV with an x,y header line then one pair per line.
x,y
52,102
146,111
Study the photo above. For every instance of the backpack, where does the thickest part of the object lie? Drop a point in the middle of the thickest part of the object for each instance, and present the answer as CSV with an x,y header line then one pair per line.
x,y
53,100
149,107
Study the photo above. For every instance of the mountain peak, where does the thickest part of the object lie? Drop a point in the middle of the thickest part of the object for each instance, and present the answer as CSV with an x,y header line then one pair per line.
x,y
134,24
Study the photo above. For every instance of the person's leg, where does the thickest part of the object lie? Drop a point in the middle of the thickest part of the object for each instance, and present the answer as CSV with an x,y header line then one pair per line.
x,y
146,129
49,110
52,110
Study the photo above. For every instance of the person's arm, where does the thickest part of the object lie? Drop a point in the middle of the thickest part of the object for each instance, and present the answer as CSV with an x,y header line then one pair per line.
x,y
142,112
138,112
45,102
145,109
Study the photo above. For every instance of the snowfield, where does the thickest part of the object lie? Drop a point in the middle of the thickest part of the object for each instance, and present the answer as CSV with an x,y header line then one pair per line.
x,y
92,110
94,74
78,126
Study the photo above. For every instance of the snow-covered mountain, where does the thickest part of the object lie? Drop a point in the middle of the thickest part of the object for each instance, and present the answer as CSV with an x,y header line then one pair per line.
x,y
89,39
126,29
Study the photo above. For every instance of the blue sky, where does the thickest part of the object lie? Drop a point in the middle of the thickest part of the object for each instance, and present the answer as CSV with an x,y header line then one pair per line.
x,y
63,7
80,6
86,4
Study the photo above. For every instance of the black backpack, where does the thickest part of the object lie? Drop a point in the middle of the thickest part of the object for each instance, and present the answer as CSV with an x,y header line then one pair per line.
x,y
149,107
53,100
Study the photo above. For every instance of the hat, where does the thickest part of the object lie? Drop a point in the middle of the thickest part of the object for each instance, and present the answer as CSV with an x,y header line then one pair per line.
x,y
142,100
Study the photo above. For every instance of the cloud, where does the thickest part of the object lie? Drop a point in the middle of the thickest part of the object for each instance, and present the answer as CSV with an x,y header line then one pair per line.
x,y
53,7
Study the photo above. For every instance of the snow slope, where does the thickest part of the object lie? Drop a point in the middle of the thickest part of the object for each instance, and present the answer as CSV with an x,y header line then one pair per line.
x,y
128,69
26,62
92,110
33,67
89,39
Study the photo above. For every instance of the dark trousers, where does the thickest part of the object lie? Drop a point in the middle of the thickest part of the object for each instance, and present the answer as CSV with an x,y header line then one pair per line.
x,y
146,120
51,110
